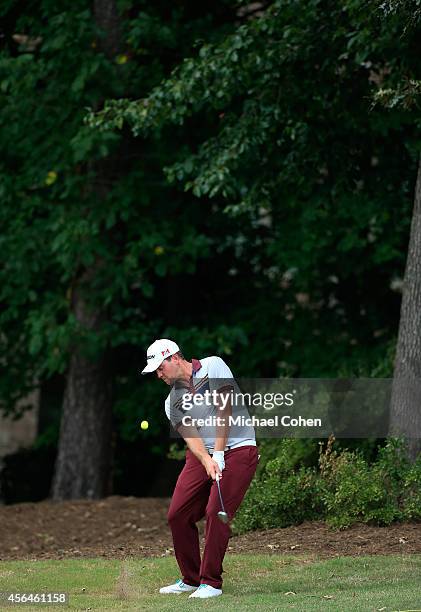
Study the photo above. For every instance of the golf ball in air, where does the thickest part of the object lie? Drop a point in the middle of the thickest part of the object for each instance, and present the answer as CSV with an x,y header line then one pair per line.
x,y
144,425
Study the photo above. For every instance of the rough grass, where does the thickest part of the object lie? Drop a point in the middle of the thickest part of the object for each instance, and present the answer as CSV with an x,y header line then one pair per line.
x,y
251,582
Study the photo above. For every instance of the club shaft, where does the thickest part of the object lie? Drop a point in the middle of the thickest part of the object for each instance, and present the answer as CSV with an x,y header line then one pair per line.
x,y
220,496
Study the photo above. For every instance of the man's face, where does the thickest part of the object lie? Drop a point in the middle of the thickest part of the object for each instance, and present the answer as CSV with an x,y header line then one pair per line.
x,y
169,370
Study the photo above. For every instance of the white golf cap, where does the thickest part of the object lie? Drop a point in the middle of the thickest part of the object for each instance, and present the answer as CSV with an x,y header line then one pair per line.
x,y
157,352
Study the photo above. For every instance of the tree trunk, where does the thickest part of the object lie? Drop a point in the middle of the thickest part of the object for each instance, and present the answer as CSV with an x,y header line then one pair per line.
x,y
406,394
107,18
84,454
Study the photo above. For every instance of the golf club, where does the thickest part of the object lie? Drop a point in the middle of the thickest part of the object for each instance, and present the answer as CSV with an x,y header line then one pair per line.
x,y
222,515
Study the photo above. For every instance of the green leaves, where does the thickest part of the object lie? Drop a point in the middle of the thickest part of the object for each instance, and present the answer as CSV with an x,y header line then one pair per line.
x,y
211,78
75,200
346,489
269,121
89,145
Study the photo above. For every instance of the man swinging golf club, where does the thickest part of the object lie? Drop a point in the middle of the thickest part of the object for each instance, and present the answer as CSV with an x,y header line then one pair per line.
x,y
220,463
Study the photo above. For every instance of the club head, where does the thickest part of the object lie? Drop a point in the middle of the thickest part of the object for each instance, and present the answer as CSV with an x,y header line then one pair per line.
x,y
223,516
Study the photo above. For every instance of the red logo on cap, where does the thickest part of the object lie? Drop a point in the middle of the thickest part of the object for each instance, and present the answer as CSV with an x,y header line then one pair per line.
x,y
165,352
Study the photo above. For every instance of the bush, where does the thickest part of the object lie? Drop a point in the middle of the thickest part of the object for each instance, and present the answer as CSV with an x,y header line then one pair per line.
x,y
354,491
282,495
412,492
344,490
301,452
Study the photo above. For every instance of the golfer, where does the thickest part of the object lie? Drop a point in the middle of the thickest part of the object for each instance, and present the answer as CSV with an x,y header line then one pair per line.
x,y
213,452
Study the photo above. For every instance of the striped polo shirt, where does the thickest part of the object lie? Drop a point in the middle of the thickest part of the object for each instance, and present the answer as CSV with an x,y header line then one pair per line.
x,y
209,374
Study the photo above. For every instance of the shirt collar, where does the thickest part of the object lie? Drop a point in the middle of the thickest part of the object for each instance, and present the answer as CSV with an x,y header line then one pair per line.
x,y
196,365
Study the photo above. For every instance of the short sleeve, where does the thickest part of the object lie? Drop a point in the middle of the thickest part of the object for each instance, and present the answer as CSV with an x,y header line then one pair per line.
x,y
174,404
220,376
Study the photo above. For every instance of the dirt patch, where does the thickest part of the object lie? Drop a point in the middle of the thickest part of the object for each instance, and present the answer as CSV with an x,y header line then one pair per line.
x,y
317,538
120,527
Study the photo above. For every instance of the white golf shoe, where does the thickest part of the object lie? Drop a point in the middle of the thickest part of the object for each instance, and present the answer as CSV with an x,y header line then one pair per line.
x,y
205,591
177,588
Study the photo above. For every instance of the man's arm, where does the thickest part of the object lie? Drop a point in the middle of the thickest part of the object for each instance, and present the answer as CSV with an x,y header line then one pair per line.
x,y
224,411
195,444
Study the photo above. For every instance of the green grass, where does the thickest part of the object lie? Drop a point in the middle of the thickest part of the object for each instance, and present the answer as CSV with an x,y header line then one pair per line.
x,y
251,582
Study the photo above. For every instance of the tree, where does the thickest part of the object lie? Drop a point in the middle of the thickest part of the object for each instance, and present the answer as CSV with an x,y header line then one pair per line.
x,y
319,181
404,92
406,395
266,119
84,452
298,146
87,242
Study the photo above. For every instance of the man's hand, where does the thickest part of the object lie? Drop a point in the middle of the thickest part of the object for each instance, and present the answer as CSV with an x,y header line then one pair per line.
x,y
211,467
218,456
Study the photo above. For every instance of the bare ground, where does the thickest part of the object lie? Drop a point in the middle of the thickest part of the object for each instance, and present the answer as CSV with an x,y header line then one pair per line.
x,y
121,527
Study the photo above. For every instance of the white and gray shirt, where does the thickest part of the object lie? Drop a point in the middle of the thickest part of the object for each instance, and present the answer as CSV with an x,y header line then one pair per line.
x,y
209,374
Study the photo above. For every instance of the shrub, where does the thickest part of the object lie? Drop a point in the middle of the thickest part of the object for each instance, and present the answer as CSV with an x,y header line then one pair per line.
x,y
412,492
354,491
301,452
281,495
346,489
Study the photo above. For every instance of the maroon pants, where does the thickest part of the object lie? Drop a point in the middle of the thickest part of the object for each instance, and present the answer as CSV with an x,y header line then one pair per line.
x,y
196,496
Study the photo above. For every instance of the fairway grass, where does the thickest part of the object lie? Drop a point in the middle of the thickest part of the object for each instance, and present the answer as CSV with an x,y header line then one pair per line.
x,y
251,582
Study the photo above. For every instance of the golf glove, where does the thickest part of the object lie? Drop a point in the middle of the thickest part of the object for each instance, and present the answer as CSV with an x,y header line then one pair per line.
x,y
218,456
